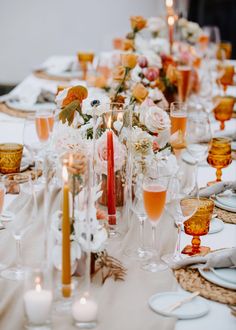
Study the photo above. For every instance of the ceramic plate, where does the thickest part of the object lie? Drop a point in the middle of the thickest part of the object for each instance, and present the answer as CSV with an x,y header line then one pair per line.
x,y
30,107
227,274
64,74
211,277
225,207
216,226
160,302
227,200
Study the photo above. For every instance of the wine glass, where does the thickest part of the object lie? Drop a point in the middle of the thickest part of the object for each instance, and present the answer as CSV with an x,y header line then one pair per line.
x,y
34,146
184,74
184,204
141,252
198,133
154,196
223,110
213,34
18,226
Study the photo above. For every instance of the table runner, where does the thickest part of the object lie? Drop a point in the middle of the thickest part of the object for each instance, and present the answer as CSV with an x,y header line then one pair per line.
x,y
122,305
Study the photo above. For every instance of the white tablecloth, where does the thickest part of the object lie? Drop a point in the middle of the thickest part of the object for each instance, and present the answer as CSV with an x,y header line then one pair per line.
x,y
219,317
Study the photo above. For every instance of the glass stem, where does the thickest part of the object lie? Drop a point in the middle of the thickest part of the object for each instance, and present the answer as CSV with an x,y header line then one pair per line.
x,y
18,253
177,248
141,233
154,241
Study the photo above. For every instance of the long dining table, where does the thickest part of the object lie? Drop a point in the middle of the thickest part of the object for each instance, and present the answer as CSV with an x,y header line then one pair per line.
x,y
219,316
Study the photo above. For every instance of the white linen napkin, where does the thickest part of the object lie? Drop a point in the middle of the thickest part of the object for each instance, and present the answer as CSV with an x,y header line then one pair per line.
x,y
217,188
225,258
59,64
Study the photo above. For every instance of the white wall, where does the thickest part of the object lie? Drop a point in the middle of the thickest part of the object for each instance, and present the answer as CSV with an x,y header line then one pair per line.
x,y
32,30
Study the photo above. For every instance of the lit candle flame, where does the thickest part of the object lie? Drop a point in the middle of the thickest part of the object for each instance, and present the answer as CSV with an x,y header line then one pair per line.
x,y
109,122
171,20
64,174
83,300
169,3
37,282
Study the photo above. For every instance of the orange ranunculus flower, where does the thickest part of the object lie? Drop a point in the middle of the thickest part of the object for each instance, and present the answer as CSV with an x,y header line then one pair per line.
x,y
166,61
139,92
137,22
171,74
128,44
76,93
129,60
118,73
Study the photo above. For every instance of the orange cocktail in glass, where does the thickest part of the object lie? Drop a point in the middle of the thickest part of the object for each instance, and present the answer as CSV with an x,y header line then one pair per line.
x,y
44,122
183,82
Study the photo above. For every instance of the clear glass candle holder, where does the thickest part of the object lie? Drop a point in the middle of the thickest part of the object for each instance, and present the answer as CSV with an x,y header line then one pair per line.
x,y
38,299
84,311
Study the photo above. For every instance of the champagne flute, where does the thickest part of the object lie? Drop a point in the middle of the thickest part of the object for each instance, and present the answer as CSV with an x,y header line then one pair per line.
x,y
141,252
183,206
184,74
154,196
18,226
44,121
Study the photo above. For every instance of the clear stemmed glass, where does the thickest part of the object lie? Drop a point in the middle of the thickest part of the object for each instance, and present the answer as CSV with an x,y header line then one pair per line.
x,y
198,133
34,146
184,204
141,252
213,34
2,196
18,226
44,122
154,195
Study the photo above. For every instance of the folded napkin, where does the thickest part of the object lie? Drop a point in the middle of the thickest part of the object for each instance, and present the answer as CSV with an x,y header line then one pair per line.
x,y
59,64
217,188
225,258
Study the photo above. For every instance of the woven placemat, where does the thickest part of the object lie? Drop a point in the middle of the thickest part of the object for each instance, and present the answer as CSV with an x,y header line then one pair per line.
x,y
44,75
15,112
191,280
226,216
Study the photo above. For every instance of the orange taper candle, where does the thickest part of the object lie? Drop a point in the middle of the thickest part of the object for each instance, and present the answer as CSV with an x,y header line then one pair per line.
x,y
66,272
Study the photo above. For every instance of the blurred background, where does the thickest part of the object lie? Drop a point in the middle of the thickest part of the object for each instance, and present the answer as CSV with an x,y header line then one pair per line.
x,y
31,31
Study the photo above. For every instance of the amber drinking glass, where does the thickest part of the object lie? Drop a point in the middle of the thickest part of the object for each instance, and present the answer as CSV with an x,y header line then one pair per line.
x,y
219,155
224,51
228,76
183,82
85,58
198,225
10,157
224,110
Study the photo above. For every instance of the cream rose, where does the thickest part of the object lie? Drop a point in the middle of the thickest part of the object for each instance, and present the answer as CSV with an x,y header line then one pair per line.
x,y
154,118
101,154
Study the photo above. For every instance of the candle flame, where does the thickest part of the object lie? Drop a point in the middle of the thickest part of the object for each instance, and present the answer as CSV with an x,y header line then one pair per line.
x,y
64,173
37,282
171,20
83,300
169,3
109,122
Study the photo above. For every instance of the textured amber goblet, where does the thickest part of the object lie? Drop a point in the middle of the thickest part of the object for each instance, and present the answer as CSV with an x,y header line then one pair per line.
x,y
224,51
84,59
10,157
227,77
224,110
219,155
198,225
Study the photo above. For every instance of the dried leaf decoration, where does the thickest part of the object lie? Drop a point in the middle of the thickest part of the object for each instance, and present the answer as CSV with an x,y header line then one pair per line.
x,y
72,103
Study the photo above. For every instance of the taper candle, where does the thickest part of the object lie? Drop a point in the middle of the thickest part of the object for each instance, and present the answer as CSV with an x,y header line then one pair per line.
x,y
66,271
111,198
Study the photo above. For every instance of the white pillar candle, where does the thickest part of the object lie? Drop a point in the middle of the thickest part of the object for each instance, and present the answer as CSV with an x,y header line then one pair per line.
x,y
38,305
85,310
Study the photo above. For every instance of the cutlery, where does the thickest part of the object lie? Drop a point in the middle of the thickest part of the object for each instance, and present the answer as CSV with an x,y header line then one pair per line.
x,y
181,302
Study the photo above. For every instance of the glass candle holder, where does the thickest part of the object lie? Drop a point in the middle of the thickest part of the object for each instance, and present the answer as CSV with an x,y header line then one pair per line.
x,y
219,155
84,311
10,157
224,110
38,300
112,162
198,225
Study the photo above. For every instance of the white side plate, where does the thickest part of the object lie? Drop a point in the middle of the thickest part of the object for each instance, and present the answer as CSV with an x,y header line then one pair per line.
x,y
211,277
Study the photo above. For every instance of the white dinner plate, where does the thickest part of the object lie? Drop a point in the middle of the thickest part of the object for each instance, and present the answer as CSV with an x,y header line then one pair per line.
x,y
227,274
216,225
227,200
17,105
211,277
64,74
160,302
225,207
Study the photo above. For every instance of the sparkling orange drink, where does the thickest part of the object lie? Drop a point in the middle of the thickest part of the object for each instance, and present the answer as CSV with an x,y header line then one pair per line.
x,y
154,200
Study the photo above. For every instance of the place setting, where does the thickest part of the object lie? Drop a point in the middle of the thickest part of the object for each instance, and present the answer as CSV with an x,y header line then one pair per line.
x,y
118,197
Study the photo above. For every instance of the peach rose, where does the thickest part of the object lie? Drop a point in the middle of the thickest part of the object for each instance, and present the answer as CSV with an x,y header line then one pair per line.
x,y
139,92
118,73
137,23
128,44
129,60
